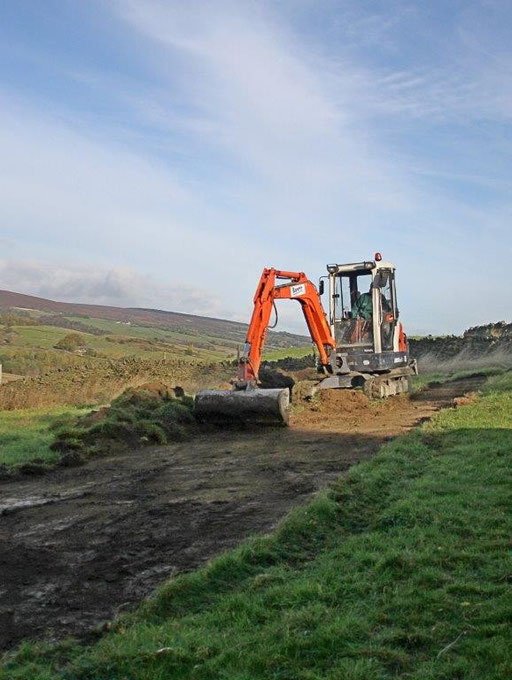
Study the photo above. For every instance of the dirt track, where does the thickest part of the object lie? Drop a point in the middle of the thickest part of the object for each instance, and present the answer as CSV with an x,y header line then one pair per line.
x,y
79,545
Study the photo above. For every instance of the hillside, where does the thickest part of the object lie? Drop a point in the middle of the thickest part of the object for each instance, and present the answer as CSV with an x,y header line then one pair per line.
x,y
56,353
230,332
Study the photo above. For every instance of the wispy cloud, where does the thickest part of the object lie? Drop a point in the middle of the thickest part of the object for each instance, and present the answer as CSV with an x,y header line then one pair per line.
x,y
432,62
70,191
271,107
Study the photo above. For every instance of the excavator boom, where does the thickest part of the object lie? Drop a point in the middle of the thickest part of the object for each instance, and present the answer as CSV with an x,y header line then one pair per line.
x,y
299,288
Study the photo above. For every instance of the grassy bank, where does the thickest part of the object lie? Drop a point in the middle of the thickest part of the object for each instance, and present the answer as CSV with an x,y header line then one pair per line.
x,y
287,352
26,434
35,440
150,414
403,570
425,377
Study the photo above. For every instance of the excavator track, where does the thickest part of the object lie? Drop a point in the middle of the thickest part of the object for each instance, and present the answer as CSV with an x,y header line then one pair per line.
x,y
382,387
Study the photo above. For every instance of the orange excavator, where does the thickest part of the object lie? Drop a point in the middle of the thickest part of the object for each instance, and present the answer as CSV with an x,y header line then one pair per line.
x,y
361,343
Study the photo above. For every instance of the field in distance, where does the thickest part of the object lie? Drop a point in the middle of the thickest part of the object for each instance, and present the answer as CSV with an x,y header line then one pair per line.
x,y
34,332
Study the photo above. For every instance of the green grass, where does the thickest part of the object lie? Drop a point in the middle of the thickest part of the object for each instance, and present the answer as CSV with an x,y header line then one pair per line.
x,y
419,381
174,344
423,379
286,352
218,349
43,337
135,418
403,570
148,332
488,371
500,383
148,342
25,434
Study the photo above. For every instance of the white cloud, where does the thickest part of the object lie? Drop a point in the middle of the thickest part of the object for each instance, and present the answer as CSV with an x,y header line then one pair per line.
x,y
119,286
69,193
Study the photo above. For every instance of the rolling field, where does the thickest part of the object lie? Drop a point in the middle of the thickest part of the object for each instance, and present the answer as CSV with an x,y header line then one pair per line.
x,y
31,349
116,349
159,332
122,341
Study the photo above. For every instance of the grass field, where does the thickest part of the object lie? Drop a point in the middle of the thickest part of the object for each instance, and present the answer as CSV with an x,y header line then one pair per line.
x,y
32,347
174,344
286,352
426,377
25,434
402,570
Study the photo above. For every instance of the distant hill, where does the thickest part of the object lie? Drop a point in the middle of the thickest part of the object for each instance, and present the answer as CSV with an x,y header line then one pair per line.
x,y
189,324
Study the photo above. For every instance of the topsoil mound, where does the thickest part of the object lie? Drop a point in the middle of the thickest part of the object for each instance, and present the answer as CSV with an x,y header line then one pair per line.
x,y
327,407
343,400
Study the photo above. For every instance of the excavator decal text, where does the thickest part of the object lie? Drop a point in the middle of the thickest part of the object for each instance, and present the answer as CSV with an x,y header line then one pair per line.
x,y
297,291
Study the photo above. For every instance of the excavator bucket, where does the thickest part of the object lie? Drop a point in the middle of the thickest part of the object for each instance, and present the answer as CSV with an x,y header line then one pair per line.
x,y
252,405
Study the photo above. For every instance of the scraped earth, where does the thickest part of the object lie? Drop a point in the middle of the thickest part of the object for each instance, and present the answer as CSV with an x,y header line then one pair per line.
x,y
79,545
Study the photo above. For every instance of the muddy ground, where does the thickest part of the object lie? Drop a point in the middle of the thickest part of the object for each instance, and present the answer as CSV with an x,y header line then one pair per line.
x,y
79,545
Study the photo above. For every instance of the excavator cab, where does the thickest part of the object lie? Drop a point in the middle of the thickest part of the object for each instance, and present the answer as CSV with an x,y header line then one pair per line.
x,y
359,299
371,346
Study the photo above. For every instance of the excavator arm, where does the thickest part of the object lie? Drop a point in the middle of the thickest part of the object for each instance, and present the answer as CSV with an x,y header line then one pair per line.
x,y
299,288
247,402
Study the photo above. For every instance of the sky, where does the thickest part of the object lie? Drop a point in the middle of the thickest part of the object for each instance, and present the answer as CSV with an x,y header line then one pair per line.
x,y
160,153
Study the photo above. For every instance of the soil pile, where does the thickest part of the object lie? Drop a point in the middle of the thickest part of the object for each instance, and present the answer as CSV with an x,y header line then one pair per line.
x,y
350,406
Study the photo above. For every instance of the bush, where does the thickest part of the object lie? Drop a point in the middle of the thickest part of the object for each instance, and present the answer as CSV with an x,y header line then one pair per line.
x,y
152,432
71,342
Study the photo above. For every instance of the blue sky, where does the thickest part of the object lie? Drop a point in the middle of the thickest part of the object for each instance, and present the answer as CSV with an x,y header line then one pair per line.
x,y
160,153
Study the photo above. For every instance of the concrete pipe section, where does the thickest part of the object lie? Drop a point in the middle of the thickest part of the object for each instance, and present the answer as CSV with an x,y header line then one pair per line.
x,y
259,406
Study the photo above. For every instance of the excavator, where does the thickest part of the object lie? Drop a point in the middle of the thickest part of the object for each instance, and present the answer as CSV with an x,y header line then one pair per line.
x,y
361,343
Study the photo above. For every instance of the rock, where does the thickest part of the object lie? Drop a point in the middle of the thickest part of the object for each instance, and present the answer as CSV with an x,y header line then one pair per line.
x,y
72,459
466,400
32,468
